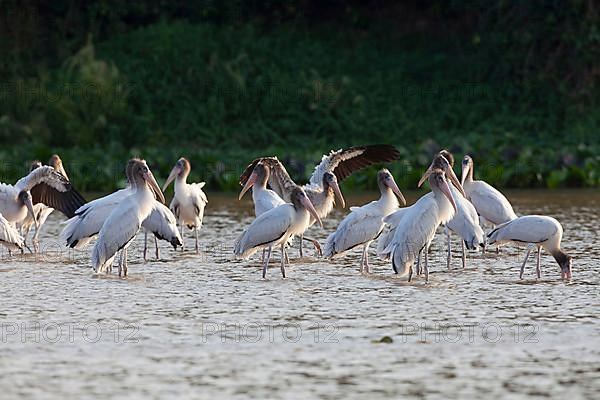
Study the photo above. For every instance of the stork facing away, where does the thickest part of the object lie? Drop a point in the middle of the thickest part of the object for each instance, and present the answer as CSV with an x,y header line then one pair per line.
x,y
323,187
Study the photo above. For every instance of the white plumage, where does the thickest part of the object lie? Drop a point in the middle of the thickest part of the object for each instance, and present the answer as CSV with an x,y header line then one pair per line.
x,y
539,231
275,227
364,224
189,200
418,224
126,218
492,205
9,236
162,224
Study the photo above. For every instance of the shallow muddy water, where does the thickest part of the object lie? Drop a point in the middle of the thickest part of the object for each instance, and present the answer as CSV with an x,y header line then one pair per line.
x,y
208,326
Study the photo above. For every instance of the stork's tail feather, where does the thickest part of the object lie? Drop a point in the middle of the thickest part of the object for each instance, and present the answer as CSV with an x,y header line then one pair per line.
x,y
329,250
401,267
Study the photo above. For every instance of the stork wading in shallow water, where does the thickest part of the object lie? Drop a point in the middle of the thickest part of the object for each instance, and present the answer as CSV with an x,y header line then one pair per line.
x,y
418,224
88,220
264,199
538,231
364,224
465,221
275,227
125,220
189,200
323,187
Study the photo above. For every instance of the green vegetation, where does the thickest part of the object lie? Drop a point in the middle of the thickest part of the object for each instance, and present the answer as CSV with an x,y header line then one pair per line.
x,y
222,93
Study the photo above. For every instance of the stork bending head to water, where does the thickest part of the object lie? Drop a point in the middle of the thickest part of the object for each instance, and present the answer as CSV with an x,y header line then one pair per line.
x,y
275,227
418,223
364,224
126,218
323,187
537,230
189,200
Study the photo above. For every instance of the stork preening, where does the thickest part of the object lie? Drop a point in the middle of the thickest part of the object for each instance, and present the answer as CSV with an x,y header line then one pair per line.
x,y
465,221
189,200
275,227
537,231
162,224
125,220
364,224
323,187
416,228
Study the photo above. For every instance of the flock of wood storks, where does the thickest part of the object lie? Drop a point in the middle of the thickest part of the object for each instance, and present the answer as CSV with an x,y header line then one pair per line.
x,y
284,210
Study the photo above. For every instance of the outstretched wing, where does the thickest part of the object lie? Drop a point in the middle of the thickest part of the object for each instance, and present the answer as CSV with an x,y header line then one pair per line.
x,y
345,162
279,179
51,189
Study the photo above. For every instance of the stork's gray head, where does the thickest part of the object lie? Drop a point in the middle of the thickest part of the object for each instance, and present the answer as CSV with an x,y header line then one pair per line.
x,y
566,264
330,182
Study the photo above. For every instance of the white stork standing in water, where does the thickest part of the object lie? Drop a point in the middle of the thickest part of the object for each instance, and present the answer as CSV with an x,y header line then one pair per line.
x,y
40,211
9,236
323,187
465,221
189,200
490,204
88,220
125,220
418,224
364,224
275,227
541,232
42,185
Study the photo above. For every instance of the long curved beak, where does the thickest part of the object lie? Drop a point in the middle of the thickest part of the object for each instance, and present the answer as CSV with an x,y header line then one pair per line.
x,y
338,193
29,205
392,185
249,183
311,209
464,173
445,188
455,181
425,176
174,172
149,178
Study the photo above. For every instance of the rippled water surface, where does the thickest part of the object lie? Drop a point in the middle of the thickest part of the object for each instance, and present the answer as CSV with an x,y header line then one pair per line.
x,y
209,326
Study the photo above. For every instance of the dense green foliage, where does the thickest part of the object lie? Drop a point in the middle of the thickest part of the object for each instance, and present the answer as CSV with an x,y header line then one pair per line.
x,y
224,85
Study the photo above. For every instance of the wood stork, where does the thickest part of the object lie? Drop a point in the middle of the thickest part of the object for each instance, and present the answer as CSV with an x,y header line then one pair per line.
x,y
10,236
264,199
465,221
189,200
488,201
364,224
126,218
418,224
40,210
323,187
42,185
275,227
538,231
88,220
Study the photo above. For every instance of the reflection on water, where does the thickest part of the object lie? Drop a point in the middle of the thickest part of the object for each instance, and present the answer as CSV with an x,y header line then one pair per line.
x,y
205,326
